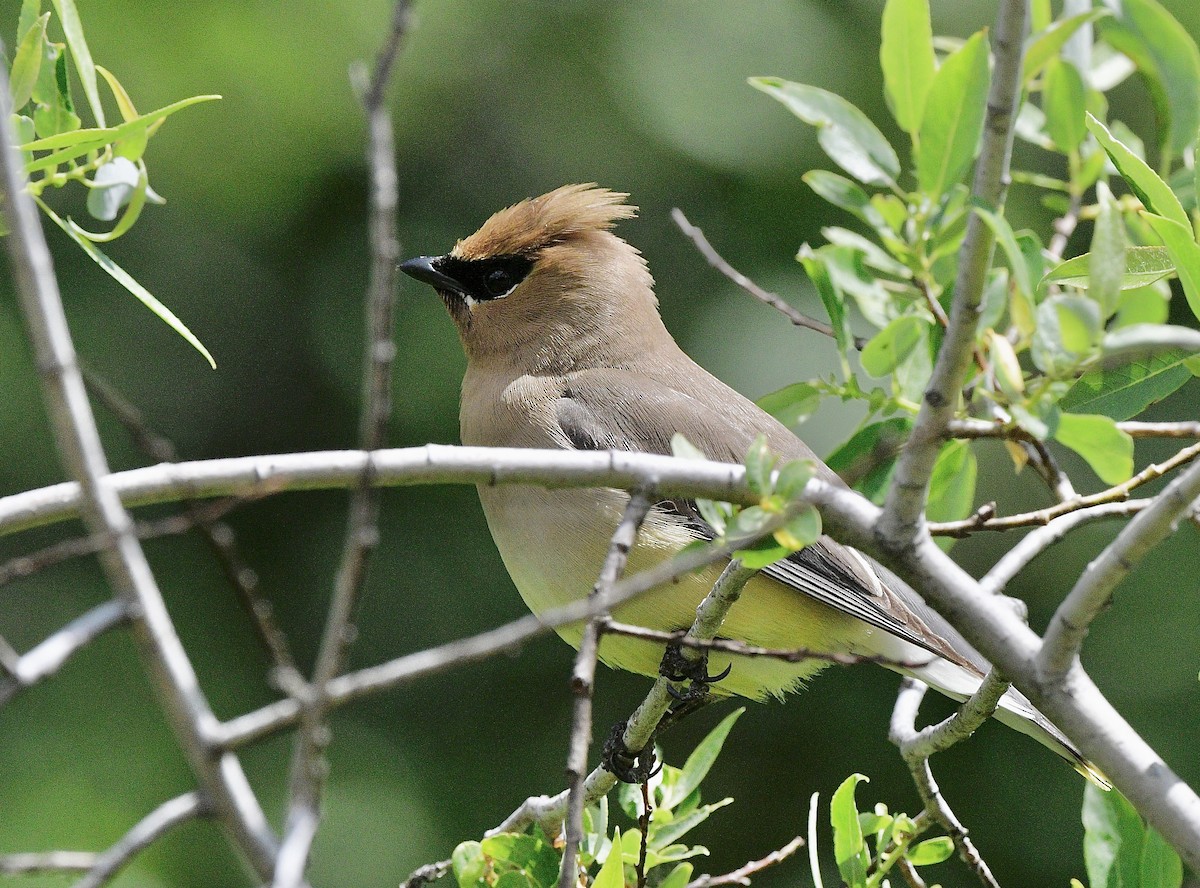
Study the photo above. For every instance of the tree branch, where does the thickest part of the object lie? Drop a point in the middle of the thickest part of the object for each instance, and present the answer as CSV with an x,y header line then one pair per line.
x,y
583,680
1093,592
903,516
124,562
153,826
741,875
709,252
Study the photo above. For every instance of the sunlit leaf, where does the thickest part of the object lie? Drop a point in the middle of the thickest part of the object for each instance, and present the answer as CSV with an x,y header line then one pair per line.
x,y
1063,98
931,851
27,63
1046,45
831,298
849,848
1112,839
952,484
792,404
906,56
1107,263
1012,250
1124,392
1160,864
1143,266
1184,252
1107,449
891,345
847,135
1152,191
953,121
700,762
68,16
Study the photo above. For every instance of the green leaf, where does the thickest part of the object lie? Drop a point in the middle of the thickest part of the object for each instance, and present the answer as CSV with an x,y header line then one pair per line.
x,y
1124,392
1043,47
68,15
831,297
1143,266
952,484
135,146
663,836
1152,191
1142,305
841,192
906,56
872,254
1012,250
792,404
126,280
698,764
1107,449
468,864
1112,839
31,10
846,134
1185,253
931,851
891,345
1160,865
1106,271
1068,332
793,478
678,877
1168,58
57,114
27,63
953,121
1141,341
801,530
1063,100
866,460
849,848
759,463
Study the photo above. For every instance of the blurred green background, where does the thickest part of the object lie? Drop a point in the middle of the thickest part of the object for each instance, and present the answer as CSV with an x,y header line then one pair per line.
x,y
262,251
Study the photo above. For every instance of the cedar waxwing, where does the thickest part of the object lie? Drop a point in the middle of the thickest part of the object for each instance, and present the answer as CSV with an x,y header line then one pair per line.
x,y
566,350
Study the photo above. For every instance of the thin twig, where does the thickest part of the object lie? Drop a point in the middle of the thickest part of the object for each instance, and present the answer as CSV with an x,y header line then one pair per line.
x,y
981,428
916,747
741,875
48,657
1047,466
154,825
1037,541
309,767
797,317
1093,591
1040,517
904,513
217,534
430,872
124,563
583,680
28,863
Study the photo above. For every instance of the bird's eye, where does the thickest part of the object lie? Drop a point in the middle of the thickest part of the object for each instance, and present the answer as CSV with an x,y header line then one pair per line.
x,y
498,281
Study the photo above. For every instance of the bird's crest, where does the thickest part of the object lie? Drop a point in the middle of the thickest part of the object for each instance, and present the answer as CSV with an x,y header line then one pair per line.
x,y
538,222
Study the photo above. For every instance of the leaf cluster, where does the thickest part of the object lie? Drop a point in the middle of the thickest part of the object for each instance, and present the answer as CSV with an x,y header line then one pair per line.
x,y
1064,349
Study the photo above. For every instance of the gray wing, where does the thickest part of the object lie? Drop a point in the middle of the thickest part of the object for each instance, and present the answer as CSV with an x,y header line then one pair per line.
x,y
609,410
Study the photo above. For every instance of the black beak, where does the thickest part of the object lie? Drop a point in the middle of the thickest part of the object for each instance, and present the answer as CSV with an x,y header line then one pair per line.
x,y
425,269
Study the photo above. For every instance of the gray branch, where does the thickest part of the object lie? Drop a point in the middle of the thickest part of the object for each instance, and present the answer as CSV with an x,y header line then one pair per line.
x,y
903,518
124,563
1094,589
154,825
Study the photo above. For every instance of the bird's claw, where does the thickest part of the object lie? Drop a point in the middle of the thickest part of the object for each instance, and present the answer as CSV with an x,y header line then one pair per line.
x,y
625,764
678,668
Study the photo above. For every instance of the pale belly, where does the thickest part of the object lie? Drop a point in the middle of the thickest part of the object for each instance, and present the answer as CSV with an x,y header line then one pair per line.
x,y
554,543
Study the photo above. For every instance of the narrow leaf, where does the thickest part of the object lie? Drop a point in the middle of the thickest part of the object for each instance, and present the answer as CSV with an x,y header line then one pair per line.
x,y
1143,266
1160,865
1043,47
953,120
68,15
952,484
700,762
847,135
1107,449
792,404
1152,191
906,56
612,873
1106,271
27,63
1185,253
831,298
1012,250
1063,101
126,280
849,848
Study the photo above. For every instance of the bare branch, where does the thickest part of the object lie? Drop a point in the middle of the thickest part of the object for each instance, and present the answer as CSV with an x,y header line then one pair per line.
x,y
48,657
904,514
981,428
1037,541
916,747
124,563
157,823
797,317
1093,592
430,872
583,680
218,535
741,875
1040,517
309,766
28,863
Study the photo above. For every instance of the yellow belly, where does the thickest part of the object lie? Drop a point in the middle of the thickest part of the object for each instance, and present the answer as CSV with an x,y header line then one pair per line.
x,y
554,542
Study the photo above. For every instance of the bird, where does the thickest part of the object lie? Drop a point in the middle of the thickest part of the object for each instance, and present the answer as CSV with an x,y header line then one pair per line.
x,y
566,350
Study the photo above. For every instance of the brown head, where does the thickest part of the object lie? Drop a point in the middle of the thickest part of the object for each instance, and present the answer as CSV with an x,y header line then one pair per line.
x,y
545,284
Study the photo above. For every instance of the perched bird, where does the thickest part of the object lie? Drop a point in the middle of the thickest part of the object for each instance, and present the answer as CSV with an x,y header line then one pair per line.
x,y
566,350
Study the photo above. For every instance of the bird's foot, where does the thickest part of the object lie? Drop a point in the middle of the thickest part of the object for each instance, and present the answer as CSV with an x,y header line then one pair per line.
x,y
677,666
625,764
